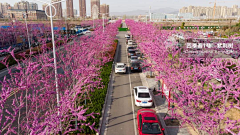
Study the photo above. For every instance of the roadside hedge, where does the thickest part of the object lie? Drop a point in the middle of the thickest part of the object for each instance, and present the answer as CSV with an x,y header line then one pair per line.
x,y
98,96
98,99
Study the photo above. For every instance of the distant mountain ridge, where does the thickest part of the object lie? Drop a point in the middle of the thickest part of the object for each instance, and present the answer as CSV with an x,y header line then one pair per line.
x,y
144,12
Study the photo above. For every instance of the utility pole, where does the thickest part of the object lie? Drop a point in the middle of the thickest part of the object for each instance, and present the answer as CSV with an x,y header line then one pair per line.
x,y
146,19
51,5
25,17
103,14
150,14
103,23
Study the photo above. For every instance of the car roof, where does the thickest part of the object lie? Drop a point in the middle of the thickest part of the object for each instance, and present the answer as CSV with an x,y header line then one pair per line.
x,y
148,113
120,63
135,62
131,50
142,88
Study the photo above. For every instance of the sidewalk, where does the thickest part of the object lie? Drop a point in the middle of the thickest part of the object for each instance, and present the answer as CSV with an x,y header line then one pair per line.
x,y
161,107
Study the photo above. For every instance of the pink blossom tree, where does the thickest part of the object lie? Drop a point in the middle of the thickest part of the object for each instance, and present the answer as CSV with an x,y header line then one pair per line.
x,y
28,96
203,104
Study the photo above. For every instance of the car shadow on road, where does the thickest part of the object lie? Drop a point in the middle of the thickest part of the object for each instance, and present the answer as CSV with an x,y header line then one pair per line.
x,y
119,53
130,113
121,122
115,86
121,97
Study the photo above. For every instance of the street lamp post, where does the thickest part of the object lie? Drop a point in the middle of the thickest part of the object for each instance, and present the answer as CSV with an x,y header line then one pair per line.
x,y
103,14
25,17
150,14
146,18
66,26
103,22
50,5
29,42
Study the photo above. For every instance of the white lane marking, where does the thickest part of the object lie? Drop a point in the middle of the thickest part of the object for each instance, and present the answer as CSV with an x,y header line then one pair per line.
x,y
134,123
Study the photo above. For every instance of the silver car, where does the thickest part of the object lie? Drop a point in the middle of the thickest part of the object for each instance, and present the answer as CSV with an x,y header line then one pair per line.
x,y
134,59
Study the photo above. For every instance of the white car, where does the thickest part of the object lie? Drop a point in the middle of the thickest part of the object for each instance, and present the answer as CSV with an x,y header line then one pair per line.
x,y
142,96
88,31
130,42
134,59
127,36
120,68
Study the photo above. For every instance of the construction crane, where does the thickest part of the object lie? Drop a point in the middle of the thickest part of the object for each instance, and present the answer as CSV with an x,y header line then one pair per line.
x,y
214,8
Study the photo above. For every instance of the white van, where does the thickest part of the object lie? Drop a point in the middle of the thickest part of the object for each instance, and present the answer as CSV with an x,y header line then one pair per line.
x,y
130,42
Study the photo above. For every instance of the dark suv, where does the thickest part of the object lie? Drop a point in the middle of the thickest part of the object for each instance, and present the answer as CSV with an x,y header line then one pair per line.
x,y
131,48
131,52
135,66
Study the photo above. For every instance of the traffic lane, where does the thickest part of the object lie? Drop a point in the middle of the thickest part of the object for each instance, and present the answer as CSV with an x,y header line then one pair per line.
x,y
121,112
136,81
122,49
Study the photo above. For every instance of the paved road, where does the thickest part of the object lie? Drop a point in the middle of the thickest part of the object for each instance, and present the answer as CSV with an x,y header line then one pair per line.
x,y
123,112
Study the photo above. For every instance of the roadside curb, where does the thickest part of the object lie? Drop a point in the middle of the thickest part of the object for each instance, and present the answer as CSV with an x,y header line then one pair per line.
x,y
145,83
105,104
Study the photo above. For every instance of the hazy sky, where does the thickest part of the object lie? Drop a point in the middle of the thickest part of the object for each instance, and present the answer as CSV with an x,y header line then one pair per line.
x,y
129,5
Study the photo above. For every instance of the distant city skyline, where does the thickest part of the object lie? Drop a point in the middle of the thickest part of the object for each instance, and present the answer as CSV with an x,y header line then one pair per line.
x,y
130,5
219,11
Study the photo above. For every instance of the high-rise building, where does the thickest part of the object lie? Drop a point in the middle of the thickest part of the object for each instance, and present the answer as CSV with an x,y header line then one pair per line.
x,y
47,10
235,9
82,8
25,5
190,9
21,5
32,14
108,11
64,12
69,4
1,8
33,6
75,12
5,7
220,11
58,7
103,9
95,9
